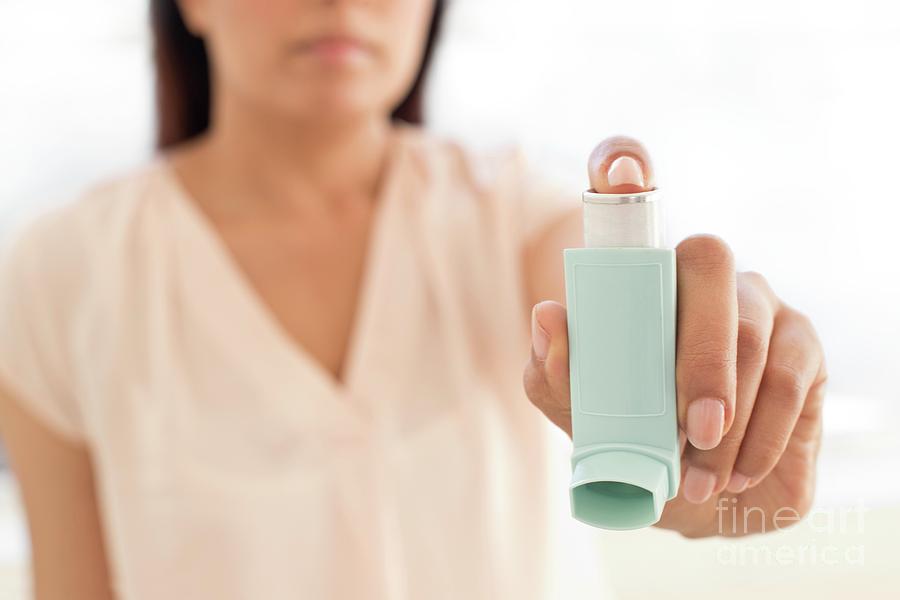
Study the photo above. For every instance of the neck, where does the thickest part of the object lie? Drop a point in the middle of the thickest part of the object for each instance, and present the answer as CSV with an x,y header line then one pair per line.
x,y
294,162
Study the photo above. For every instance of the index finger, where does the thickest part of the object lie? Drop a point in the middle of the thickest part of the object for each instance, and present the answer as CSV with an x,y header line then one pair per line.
x,y
706,351
608,174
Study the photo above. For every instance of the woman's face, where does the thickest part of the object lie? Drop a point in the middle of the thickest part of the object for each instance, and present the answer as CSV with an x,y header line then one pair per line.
x,y
313,58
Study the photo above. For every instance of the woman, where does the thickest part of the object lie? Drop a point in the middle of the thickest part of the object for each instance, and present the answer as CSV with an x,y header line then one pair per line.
x,y
284,358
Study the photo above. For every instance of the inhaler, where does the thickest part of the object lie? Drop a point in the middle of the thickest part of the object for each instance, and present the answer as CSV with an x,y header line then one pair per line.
x,y
620,297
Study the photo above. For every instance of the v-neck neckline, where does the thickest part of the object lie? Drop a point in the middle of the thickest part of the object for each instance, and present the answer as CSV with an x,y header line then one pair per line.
x,y
249,298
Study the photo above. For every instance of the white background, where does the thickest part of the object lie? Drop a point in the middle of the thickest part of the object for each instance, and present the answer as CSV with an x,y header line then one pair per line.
x,y
773,124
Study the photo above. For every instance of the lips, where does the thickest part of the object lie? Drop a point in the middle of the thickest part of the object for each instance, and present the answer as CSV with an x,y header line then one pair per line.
x,y
336,48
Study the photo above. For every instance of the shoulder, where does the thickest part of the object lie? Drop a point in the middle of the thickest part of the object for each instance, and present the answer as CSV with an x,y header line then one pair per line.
x,y
53,249
96,208
483,169
503,181
50,264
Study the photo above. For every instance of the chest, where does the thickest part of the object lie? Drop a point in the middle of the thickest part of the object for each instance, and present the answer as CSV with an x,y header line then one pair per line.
x,y
308,275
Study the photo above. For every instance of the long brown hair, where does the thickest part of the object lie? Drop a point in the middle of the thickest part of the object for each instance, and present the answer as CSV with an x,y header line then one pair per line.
x,y
182,76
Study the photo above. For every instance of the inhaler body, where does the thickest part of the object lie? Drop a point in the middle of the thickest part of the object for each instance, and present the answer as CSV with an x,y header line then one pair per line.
x,y
621,303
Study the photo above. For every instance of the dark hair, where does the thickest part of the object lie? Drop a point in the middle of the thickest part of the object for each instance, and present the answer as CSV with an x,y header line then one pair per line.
x,y
182,76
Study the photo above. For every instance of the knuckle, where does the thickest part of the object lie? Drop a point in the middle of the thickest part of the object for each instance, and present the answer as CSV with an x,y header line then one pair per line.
x,y
706,354
801,327
756,278
786,381
799,320
753,338
754,292
707,252
801,337
758,282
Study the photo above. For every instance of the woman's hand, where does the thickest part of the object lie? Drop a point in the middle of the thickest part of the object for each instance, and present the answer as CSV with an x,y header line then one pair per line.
x,y
750,379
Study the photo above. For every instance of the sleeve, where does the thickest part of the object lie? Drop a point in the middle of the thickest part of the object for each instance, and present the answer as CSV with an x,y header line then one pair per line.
x,y
36,285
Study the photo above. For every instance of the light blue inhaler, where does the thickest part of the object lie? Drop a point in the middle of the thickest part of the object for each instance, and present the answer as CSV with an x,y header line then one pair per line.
x,y
620,295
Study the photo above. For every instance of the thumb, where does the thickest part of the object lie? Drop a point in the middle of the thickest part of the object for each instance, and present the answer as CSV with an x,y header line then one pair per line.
x,y
546,376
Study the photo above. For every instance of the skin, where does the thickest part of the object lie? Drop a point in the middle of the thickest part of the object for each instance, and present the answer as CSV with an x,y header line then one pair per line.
x,y
287,175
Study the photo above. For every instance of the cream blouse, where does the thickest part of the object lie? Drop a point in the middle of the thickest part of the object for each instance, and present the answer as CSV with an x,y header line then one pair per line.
x,y
231,466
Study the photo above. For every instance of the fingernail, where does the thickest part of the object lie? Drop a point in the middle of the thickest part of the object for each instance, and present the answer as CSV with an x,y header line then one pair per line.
x,y
540,339
738,483
705,421
625,170
698,484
